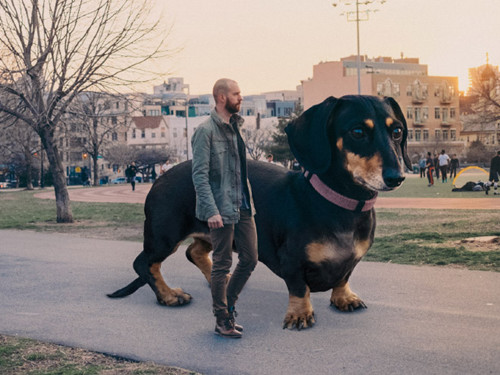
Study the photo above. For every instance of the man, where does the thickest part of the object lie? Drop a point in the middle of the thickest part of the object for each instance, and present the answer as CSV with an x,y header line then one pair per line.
x,y
494,173
454,165
430,169
224,201
444,160
130,173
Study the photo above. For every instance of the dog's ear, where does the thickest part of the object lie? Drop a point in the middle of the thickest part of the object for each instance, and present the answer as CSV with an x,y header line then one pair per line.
x,y
308,137
399,115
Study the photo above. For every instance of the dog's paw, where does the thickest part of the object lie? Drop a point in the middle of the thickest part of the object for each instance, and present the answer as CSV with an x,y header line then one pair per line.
x,y
347,303
344,299
177,298
299,321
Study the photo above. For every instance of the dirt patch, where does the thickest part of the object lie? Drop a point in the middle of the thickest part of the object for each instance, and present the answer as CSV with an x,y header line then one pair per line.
x,y
94,229
484,243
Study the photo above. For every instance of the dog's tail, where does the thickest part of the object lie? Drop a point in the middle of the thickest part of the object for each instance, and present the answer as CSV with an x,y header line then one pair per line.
x,y
128,290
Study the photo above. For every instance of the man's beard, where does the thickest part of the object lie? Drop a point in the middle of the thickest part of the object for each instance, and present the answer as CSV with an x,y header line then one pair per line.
x,y
232,108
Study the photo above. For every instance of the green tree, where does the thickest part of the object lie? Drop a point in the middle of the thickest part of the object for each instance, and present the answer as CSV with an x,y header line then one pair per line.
x,y
279,146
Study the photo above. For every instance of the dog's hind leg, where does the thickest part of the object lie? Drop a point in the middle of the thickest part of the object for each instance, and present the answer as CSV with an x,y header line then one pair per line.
x,y
148,269
197,253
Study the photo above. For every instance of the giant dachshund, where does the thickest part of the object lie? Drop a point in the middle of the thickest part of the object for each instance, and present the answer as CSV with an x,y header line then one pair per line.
x,y
313,227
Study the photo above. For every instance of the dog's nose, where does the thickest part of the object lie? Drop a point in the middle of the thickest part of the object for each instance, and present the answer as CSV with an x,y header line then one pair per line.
x,y
393,182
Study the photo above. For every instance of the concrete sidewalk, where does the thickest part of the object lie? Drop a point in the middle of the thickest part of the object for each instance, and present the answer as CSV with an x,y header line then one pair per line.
x,y
420,320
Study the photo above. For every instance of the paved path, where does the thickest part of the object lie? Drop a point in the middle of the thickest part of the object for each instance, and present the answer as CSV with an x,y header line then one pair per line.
x,y
420,320
123,193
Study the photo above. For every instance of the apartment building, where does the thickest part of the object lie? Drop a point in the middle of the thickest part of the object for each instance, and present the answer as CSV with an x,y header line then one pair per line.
x,y
430,103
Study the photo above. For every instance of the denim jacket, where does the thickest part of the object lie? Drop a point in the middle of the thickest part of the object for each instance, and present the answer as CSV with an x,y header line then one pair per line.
x,y
216,170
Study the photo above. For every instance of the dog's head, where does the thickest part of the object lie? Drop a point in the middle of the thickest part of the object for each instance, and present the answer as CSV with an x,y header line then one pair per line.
x,y
364,135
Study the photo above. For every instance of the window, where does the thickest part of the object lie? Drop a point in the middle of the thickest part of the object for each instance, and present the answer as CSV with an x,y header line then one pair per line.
x,y
114,136
425,114
425,134
409,91
453,134
410,134
133,134
445,115
113,120
117,105
153,135
437,134
163,134
409,113
437,113
452,112
445,135
418,116
143,133
418,135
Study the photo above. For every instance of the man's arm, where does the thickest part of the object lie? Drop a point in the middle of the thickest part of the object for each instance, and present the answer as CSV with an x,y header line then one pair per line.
x,y
200,172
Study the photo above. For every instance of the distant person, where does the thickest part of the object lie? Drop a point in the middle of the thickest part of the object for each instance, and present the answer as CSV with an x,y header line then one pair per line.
x,y
494,173
421,165
454,165
270,158
443,161
436,165
429,165
153,174
130,173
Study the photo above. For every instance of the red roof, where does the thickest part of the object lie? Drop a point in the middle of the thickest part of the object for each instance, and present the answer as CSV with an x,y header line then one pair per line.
x,y
147,122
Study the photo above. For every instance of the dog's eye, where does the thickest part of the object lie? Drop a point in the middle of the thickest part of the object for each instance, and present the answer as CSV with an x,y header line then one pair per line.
x,y
397,134
358,133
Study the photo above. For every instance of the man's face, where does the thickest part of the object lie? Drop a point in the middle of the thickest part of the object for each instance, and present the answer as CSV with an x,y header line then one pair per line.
x,y
233,98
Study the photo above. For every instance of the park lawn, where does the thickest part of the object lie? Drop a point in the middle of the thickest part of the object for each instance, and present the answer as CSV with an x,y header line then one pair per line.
x,y
416,236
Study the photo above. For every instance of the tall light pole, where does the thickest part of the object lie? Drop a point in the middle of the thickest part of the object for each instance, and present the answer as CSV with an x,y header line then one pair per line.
x,y
357,16
187,115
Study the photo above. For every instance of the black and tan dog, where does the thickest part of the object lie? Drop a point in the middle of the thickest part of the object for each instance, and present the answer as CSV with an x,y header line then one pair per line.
x,y
313,227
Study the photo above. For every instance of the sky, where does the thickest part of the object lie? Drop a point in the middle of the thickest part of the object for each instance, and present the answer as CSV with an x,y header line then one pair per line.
x,y
271,45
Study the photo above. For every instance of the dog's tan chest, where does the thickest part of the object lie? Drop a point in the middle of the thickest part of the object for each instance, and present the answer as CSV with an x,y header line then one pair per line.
x,y
336,251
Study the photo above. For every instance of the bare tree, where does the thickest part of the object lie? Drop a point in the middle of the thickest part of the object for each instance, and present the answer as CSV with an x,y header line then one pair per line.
x,y
58,49
256,141
20,147
99,122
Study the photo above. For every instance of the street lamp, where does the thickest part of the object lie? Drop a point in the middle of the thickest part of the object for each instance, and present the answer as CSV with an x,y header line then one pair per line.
x,y
187,115
357,16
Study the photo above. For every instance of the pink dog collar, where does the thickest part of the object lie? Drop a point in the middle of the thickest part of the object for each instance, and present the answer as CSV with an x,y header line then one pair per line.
x,y
338,199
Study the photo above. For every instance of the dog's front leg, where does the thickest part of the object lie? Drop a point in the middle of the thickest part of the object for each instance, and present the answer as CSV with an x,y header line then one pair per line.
x,y
300,313
344,299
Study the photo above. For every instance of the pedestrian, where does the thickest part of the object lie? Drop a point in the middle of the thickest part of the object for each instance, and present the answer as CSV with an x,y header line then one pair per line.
x,y
436,165
429,165
494,173
130,173
224,201
454,165
444,160
153,173
421,165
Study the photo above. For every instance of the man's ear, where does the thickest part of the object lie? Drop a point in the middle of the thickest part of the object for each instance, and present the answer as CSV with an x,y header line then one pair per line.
x,y
308,137
399,115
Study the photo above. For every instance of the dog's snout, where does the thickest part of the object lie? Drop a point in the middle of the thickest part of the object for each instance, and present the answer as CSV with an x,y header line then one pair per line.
x,y
393,178
394,182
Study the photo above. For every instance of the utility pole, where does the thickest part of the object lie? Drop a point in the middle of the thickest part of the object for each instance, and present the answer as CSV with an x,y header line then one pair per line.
x,y
357,16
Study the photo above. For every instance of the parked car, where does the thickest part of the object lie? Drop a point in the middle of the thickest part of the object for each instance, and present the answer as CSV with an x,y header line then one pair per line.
x,y
123,180
119,180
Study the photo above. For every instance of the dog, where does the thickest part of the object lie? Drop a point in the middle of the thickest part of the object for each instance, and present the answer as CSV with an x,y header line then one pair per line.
x,y
313,226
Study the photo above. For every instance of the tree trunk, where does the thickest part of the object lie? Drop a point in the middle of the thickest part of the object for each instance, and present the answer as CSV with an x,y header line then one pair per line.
x,y
64,214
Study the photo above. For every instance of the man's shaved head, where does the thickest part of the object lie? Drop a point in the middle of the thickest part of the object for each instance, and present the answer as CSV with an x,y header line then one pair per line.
x,y
222,87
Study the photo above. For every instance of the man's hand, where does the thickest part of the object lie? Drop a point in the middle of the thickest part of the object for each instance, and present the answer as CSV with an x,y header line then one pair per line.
x,y
215,222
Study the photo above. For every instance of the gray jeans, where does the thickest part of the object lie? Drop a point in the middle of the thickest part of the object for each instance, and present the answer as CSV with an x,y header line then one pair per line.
x,y
244,236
